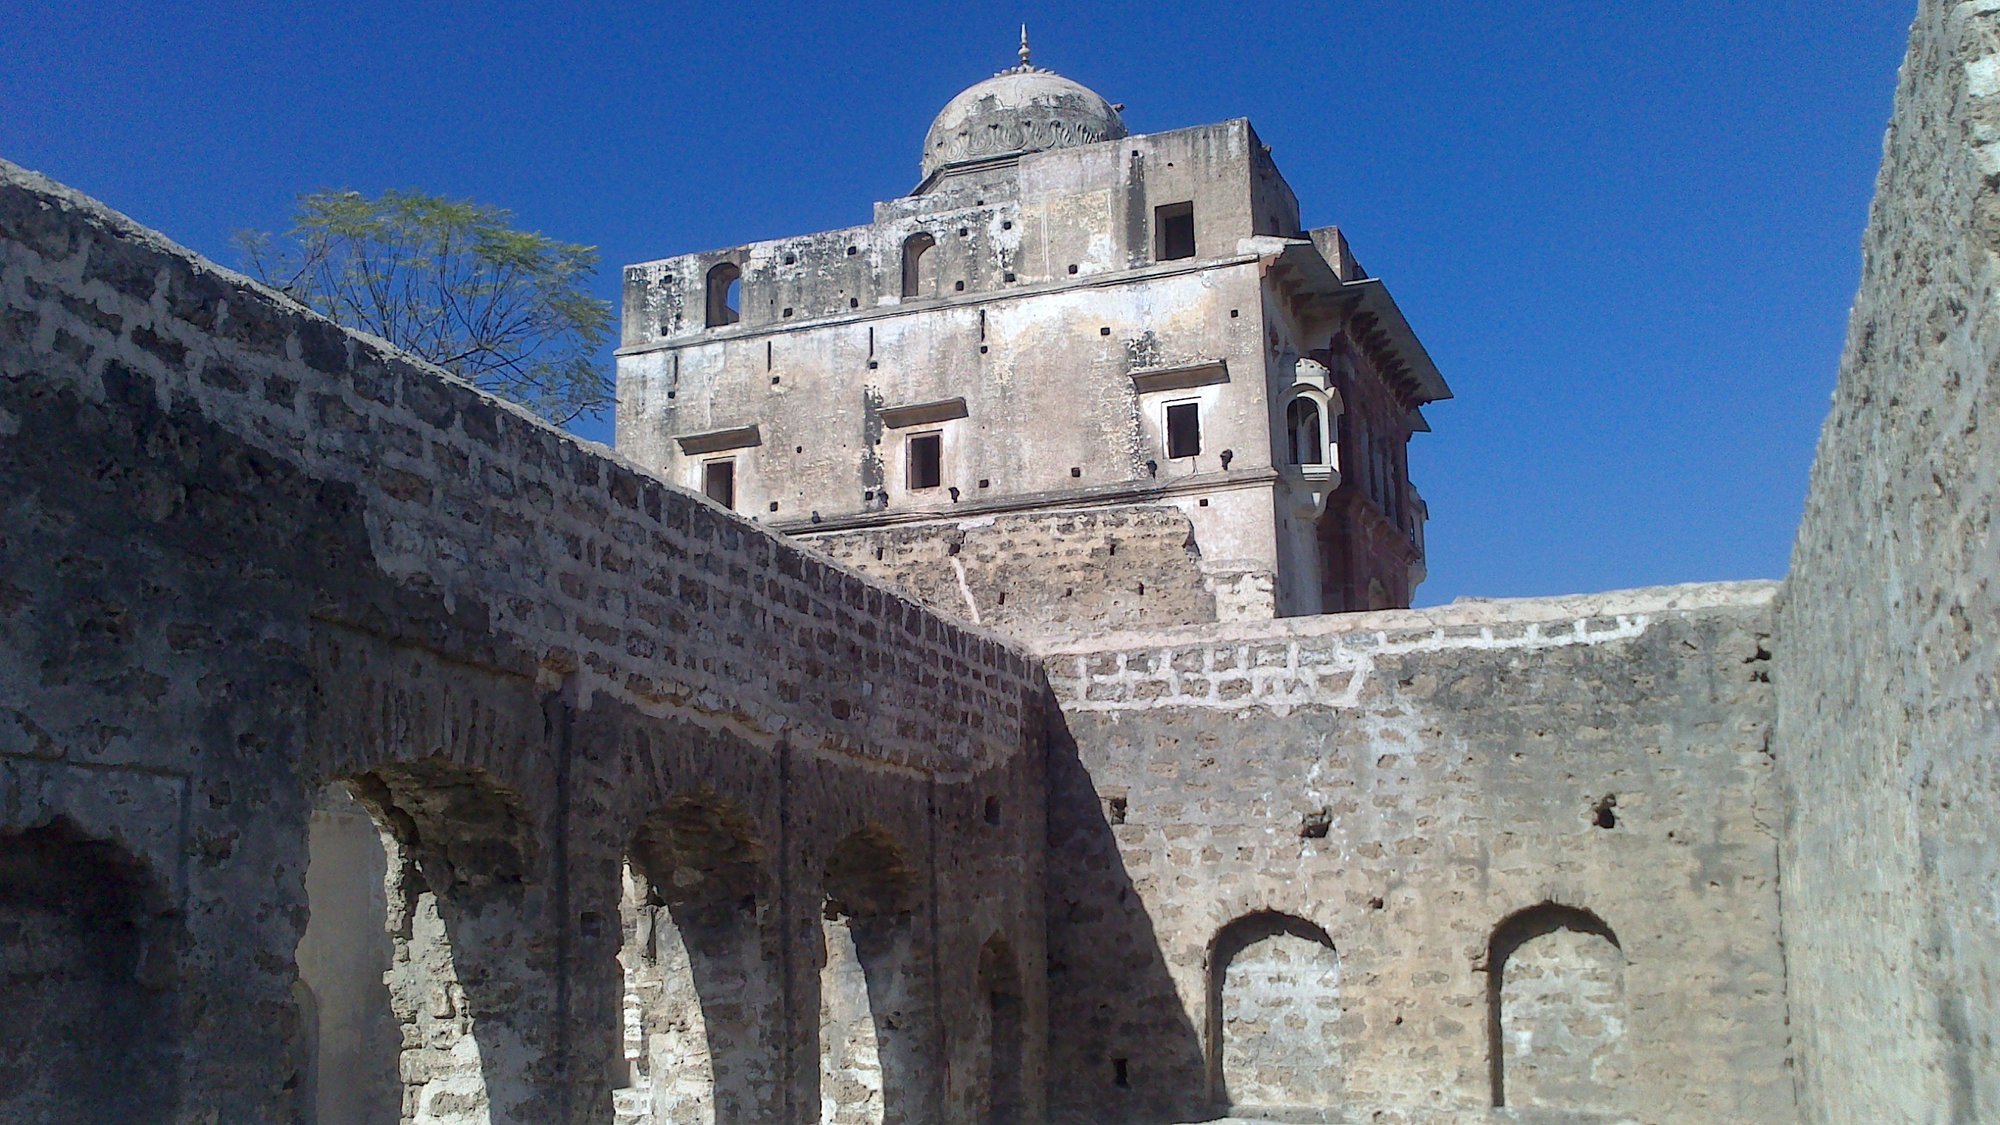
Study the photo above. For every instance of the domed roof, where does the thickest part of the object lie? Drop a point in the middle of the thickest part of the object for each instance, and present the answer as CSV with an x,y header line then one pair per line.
x,y
1025,109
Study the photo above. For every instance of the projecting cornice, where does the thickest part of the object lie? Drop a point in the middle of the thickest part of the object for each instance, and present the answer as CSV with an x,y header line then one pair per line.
x,y
1361,307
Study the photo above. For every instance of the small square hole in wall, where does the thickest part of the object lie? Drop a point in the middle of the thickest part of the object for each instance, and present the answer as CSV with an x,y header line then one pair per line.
x,y
1075,470
1006,224
1234,313
1121,1074
958,286
774,380
984,483
1072,268
1204,501
774,505
853,250
1009,275
1114,810
798,449
993,810
855,303
982,349
791,259
670,394
1104,331
788,311
872,365
962,232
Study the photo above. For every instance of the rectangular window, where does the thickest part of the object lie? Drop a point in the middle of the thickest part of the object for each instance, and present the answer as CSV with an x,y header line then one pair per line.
x,y
1173,231
1183,430
926,453
718,482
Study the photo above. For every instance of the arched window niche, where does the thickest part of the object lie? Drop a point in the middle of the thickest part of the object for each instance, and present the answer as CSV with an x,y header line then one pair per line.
x,y
1312,406
725,294
915,248
1556,1012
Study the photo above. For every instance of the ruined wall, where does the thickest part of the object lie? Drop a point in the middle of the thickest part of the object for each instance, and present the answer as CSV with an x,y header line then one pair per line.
x,y
1565,806
1887,722
1043,573
245,556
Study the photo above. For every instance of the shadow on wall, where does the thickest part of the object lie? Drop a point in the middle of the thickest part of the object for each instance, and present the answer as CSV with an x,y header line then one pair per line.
x,y
87,982
1136,1057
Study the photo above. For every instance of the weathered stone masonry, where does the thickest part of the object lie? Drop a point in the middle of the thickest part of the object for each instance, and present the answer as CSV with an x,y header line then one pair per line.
x,y
245,555
1888,667
370,752
1517,852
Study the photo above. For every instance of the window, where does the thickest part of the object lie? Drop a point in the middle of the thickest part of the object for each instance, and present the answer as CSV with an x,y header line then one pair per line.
x,y
926,460
1173,231
1302,423
1183,429
718,482
725,290
914,249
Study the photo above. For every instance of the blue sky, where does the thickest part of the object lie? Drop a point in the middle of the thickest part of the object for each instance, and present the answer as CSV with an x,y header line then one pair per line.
x,y
1629,234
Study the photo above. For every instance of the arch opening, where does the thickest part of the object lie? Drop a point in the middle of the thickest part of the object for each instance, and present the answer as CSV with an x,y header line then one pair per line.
x,y
88,955
915,248
1305,432
1273,1014
415,948
873,1013
724,294
700,1000
1556,1010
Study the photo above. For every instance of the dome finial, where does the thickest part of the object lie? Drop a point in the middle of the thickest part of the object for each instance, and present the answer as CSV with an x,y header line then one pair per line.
x,y
1024,46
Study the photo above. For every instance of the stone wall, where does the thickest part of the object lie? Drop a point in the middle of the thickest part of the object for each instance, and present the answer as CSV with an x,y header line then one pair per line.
x,y
1889,630
1509,851
1043,573
252,565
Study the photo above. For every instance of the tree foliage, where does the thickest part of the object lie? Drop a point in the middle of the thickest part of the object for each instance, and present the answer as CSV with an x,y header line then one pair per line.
x,y
453,282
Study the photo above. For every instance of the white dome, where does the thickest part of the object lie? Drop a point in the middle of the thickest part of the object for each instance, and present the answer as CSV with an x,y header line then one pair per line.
x,y
1026,109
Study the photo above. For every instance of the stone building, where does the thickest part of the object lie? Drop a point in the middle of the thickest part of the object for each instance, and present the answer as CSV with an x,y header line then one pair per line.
x,y
1062,333
371,751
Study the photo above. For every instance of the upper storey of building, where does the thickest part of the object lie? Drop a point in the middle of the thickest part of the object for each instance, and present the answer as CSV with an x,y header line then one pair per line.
x,y
1060,314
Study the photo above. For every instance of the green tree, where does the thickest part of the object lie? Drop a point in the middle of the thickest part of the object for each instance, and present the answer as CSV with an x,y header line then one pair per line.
x,y
453,282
